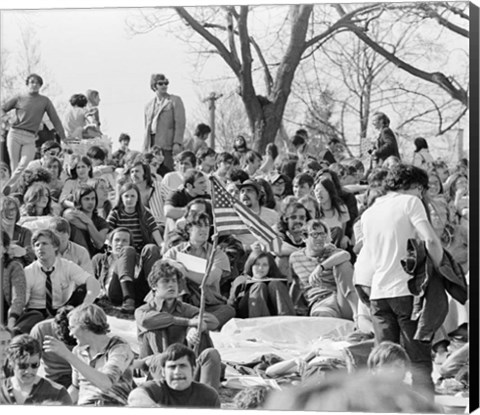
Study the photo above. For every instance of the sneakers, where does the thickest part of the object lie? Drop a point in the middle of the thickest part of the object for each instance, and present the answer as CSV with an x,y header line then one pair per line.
x,y
128,306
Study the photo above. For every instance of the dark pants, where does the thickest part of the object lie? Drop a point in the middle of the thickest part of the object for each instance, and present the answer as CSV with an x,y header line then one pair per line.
x,y
123,274
392,321
32,316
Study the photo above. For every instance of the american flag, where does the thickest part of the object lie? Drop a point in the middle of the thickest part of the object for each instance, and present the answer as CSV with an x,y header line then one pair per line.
x,y
231,217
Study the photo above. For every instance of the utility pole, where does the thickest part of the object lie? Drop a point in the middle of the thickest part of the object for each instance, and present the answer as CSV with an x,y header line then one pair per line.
x,y
211,106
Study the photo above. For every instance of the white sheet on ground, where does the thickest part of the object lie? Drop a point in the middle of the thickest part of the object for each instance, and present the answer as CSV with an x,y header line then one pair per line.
x,y
244,340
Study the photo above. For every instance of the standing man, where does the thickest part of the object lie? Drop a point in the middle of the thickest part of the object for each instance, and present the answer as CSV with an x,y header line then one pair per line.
x,y
29,111
164,120
386,144
386,226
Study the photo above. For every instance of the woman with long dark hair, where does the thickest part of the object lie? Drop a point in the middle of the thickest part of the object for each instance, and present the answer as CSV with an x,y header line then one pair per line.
x,y
421,155
80,171
262,290
130,213
87,228
332,210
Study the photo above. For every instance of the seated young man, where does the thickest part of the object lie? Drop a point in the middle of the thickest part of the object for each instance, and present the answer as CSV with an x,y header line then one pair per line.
x,y
165,320
122,272
178,387
323,276
53,282
197,227
303,185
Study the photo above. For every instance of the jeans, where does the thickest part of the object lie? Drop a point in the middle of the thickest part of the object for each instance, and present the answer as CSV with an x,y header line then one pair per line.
x,y
344,302
21,149
392,321
123,272
209,368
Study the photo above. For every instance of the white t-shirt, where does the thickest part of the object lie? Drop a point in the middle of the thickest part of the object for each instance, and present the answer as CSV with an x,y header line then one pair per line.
x,y
387,225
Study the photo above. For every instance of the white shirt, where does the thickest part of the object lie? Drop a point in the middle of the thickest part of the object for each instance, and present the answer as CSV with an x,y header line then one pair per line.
x,y
387,225
66,277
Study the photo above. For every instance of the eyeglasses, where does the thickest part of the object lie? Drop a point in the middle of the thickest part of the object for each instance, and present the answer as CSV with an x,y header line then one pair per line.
x,y
25,366
162,83
317,234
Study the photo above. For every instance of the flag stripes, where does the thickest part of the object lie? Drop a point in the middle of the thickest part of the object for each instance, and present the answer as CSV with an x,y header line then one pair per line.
x,y
231,217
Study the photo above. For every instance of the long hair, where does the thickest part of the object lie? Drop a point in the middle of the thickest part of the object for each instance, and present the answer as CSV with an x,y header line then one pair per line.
x,y
5,241
95,182
76,161
31,198
337,203
273,271
80,192
139,209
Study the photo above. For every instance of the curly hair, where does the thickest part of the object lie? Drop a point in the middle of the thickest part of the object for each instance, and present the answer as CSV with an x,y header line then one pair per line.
x,y
61,325
164,268
404,176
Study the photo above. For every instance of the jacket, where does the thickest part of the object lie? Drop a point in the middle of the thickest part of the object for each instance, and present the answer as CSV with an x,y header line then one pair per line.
x,y
170,123
429,286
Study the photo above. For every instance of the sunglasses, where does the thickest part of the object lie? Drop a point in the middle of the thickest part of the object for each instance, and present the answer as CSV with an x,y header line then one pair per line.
x,y
162,83
25,366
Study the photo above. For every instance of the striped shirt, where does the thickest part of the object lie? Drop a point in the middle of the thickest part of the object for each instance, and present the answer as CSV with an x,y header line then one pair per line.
x,y
120,218
155,203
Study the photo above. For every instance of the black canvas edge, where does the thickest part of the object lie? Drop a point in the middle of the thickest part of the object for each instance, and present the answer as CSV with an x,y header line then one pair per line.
x,y
474,212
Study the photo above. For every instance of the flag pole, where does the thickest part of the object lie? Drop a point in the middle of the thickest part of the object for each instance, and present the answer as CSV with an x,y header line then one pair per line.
x,y
204,280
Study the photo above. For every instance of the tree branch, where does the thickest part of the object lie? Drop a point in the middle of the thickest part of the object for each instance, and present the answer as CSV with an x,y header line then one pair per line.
x,y
436,78
222,50
432,13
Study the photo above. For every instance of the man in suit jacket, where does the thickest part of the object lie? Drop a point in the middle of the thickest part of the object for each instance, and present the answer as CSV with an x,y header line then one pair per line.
x,y
164,120
386,144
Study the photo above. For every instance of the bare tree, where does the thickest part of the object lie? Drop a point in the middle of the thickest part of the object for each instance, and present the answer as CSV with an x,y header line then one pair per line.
x,y
300,31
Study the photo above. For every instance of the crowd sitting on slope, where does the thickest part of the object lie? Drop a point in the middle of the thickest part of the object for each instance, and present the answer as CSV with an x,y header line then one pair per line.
x,y
84,234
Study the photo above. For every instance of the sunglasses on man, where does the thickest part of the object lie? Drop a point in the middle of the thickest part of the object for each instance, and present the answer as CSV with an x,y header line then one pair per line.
x,y
25,366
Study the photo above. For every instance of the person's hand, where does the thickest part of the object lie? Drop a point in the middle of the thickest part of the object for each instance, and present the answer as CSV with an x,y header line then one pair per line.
x,y
193,336
16,251
53,345
193,323
257,247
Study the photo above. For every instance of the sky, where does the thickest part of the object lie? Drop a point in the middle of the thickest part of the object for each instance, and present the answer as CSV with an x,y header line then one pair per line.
x,y
92,49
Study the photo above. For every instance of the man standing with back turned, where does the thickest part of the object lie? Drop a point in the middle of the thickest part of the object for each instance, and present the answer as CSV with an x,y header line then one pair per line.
x,y
387,225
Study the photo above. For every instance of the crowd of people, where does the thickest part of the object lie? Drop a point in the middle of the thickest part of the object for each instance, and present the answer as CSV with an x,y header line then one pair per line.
x,y
85,233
